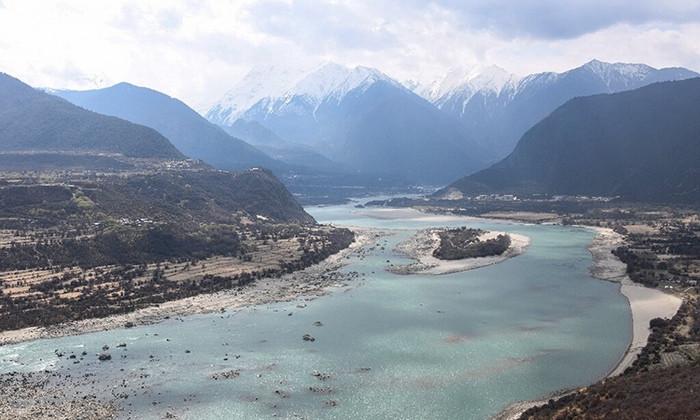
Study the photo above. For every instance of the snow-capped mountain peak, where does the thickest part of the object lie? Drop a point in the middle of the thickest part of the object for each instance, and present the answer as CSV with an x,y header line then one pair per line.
x,y
467,82
361,78
631,70
275,88
615,73
257,84
492,78
411,84
318,83
332,80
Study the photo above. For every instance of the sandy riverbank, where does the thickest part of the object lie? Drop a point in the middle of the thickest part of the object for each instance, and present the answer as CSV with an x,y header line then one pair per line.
x,y
420,247
306,284
645,305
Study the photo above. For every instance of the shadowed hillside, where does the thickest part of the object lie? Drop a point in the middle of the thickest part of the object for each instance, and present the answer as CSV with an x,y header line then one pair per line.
x,y
31,120
187,130
642,145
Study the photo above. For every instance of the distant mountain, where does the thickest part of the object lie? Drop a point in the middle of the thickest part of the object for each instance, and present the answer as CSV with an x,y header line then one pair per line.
x,y
496,107
255,133
34,121
259,83
186,129
296,155
642,145
461,83
367,121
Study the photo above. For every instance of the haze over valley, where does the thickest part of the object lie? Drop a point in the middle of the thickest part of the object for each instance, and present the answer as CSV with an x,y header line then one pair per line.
x,y
358,121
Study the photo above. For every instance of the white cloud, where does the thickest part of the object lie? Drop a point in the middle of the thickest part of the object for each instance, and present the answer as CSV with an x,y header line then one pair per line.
x,y
196,50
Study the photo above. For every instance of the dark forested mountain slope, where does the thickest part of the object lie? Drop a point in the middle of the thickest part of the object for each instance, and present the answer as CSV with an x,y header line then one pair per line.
x,y
31,120
642,145
201,196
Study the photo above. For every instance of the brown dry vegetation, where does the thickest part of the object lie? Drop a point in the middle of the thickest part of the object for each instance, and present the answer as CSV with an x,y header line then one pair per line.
x,y
670,393
73,248
57,294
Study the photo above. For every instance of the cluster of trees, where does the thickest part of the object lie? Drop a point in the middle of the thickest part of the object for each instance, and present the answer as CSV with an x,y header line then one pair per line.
x,y
121,289
659,394
680,247
185,198
123,245
334,241
198,196
666,337
456,244
116,227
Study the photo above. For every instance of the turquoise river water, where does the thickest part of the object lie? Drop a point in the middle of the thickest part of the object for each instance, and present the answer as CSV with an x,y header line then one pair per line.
x,y
458,346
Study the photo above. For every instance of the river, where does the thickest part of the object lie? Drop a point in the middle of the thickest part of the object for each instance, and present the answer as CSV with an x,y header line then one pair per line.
x,y
458,346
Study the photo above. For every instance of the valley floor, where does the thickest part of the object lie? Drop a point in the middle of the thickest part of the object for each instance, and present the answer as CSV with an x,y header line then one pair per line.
x,y
645,303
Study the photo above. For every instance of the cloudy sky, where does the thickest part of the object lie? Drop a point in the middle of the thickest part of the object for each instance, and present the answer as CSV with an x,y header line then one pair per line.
x,y
195,50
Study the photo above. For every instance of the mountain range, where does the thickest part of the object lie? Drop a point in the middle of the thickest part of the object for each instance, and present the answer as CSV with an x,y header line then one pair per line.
x,y
360,118
641,145
347,123
368,122
32,121
497,107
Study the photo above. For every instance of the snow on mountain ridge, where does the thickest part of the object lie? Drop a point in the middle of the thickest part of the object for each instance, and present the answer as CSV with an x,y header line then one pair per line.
x,y
318,83
286,88
624,73
492,78
462,85
611,74
329,82
467,82
631,70
333,80
271,89
257,84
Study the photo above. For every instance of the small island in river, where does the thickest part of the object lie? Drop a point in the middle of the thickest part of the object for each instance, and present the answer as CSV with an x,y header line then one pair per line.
x,y
445,251
460,243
